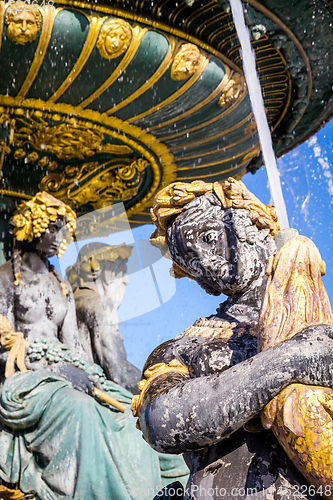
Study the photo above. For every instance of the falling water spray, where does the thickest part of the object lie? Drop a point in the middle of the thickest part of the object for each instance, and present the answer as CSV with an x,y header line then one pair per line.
x,y
258,108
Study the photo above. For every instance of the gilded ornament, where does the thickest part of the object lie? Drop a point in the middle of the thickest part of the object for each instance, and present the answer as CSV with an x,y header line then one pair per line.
x,y
52,166
19,154
186,62
31,218
4,117
233,90
32,156
132,137
251,128
114,38
96,185
151,374
23,22
67,142
43,162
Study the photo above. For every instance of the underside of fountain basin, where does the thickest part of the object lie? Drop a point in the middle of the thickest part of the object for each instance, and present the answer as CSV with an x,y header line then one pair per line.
x,y
107,102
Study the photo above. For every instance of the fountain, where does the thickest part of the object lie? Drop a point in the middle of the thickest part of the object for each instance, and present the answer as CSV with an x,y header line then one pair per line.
x,y
111,102
165,101
253,84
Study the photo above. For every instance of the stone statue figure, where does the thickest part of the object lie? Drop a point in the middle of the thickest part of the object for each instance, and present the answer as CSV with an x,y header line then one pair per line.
x,y
65,431
99,278
201,393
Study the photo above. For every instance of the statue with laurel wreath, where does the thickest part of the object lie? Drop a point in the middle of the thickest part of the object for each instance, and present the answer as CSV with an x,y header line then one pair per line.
x,y
261,363
66,432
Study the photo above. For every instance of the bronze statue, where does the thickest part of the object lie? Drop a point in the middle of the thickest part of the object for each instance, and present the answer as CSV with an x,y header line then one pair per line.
x,y
202,392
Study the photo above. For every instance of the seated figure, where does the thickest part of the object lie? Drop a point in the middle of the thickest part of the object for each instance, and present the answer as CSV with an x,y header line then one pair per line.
x,y
203,391
59,438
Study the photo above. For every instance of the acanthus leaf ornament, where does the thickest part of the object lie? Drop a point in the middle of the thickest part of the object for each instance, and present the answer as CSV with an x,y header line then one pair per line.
x,y
97,185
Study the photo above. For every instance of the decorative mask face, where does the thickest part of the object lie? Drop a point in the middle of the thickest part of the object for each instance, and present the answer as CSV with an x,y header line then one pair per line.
x,y
221,248
23,23
186,62
114,38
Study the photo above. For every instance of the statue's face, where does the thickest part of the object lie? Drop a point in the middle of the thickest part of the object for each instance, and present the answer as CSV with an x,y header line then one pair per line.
x,y
186,62
114,38
47,245
222,248
22,28
116,41
112,275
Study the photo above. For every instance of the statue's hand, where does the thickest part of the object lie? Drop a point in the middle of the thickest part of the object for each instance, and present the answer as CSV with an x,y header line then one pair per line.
x,y
76,376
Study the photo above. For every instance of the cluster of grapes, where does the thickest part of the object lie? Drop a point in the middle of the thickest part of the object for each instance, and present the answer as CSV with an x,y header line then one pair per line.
x,y
40,220
55,352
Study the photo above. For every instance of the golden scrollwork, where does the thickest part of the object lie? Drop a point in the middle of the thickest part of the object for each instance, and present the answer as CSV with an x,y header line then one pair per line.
x,y
65,141
23,22
114,38
19,154
96,185
35,114
152,374
233,90
186,62
32,157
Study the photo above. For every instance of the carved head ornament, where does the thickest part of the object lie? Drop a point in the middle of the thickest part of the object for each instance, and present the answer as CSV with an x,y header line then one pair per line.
x,y
171,201
32,218
23,21
186,62
114,38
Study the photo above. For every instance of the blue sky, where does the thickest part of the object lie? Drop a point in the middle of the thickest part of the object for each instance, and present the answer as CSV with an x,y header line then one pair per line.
x,y
156,307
